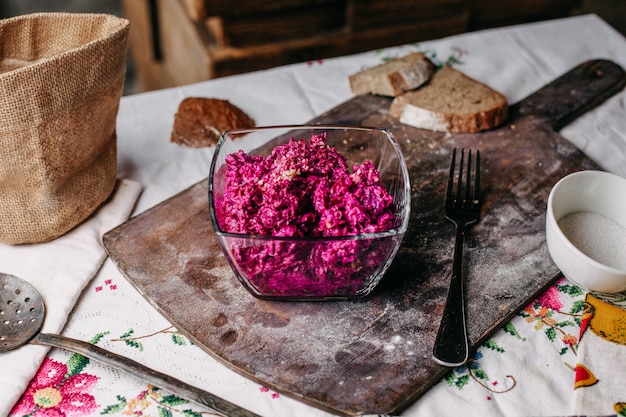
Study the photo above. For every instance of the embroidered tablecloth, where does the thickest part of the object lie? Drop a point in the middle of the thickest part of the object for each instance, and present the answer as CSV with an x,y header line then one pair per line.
x,y
553,358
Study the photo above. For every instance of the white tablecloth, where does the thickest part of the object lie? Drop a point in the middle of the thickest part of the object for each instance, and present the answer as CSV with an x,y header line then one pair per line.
x,y
525,369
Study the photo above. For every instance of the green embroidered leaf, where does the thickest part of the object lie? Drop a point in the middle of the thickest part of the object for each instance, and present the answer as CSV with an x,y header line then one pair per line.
x,y
551,333
564,350
565,323
571,290
173,400
76,364
128,334
115,408
134,343
178,340
191,413
490,344
462,381
164,412
452,60
450,378
510,329
97,337
481,374
577,307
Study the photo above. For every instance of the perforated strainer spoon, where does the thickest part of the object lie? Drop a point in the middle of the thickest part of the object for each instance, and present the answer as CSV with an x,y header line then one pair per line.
x,y
22,312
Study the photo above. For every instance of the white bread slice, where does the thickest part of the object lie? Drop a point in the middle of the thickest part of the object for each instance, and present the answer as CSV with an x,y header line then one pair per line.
x,y
393,77
451,102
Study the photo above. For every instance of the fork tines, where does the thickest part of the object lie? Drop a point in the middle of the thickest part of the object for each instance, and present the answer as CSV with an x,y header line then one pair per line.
x,y
467,192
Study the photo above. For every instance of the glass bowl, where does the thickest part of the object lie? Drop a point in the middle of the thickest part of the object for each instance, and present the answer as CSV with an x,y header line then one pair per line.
x,y
313,268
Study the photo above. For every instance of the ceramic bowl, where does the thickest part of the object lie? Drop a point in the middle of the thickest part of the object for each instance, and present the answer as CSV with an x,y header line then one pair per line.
x,y
313,268
586,229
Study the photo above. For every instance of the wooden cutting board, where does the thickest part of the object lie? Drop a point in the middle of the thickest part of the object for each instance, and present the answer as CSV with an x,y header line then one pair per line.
x,y
374,355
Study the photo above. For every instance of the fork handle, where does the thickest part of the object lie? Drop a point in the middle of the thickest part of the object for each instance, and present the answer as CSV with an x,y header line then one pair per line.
x,y
451,345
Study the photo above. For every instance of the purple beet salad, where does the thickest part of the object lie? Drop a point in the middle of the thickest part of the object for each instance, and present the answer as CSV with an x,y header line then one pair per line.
x,y
305,189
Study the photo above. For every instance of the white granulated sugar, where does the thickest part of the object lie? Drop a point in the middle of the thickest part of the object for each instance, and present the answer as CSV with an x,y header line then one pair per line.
x,y
597,236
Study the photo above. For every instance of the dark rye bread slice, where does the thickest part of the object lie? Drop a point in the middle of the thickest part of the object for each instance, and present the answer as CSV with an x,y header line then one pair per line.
x,y
200,121
393,77
451,102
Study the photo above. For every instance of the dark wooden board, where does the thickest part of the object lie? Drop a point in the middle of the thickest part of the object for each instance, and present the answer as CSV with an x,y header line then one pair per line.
x,y
374,355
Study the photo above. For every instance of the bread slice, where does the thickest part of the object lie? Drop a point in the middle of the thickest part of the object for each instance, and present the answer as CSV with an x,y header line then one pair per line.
x,y
451,102
200,121
393,77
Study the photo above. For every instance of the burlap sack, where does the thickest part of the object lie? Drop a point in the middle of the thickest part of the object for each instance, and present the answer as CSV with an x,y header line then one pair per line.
x,y
61,79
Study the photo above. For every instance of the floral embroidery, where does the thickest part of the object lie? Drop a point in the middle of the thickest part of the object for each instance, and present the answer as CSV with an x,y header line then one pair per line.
x,y
274,394
453,59
166,405
473,371
129,340
58,390
547,315
108,283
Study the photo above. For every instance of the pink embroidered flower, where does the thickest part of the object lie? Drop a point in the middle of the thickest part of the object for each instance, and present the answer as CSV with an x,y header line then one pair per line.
x,y
52,393
540,313
274,395
569,340
551,299
136,406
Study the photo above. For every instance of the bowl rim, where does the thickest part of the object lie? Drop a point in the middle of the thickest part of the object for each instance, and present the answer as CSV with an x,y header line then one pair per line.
x,y
559,231
399,230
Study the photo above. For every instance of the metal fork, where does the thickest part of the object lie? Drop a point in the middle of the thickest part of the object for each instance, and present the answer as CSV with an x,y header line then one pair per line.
x,y
462,207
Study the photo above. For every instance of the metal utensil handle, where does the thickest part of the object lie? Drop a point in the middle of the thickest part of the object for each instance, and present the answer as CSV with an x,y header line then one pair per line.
x,y
138,370
451,346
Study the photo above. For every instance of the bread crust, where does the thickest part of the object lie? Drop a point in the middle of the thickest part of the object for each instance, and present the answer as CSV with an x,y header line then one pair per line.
x,y
451,102
394,77
200,121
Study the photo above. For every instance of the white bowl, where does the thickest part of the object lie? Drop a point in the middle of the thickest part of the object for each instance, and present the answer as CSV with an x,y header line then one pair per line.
x,y
589,245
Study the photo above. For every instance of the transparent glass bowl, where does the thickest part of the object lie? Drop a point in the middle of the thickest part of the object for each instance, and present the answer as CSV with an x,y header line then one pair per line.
x,y
313,268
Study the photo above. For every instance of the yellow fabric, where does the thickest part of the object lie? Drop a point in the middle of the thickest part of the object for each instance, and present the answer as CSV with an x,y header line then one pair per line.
x,y
601,368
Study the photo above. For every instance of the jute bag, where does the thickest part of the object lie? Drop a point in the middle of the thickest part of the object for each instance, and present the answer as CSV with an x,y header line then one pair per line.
x,y
61,80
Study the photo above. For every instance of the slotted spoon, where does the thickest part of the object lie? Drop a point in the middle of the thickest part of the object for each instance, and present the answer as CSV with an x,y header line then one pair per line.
x,y
22,312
